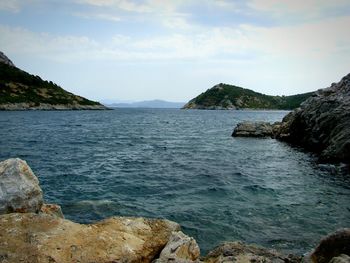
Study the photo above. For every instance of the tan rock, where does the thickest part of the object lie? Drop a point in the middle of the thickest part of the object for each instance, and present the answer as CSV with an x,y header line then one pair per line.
x,y
45,238
52,209
241,253
180,248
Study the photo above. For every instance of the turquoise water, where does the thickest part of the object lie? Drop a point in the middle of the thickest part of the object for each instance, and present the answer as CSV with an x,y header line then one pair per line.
x,y
184,166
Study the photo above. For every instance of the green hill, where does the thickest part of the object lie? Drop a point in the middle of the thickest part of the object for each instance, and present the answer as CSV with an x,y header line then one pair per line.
x,y
224,96
20,90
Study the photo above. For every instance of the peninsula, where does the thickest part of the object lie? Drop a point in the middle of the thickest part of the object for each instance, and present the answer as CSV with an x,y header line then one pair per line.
x,y
229,97
20,90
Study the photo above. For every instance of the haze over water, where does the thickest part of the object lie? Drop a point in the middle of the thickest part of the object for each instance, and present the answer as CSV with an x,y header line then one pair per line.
x,y
183,166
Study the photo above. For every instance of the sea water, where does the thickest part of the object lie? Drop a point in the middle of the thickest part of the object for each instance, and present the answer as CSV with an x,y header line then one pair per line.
x,y
181,165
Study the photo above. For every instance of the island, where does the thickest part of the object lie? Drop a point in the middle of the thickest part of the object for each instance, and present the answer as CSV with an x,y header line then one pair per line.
x,y
20,90
230,97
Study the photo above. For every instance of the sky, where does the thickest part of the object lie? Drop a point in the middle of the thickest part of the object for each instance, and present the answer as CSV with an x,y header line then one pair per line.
x,y
134,50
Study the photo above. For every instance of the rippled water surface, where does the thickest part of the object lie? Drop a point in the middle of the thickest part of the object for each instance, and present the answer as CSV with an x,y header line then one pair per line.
x,y
181,165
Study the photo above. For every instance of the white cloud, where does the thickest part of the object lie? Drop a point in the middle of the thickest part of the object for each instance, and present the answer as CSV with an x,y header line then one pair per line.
x,y
10,5
100,16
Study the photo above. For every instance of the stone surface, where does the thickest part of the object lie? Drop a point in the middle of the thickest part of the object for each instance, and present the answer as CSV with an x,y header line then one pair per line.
x,y
341,259
241,253
19,188
321,124
52,209
5,60
180,248
253,129
40,237
332,246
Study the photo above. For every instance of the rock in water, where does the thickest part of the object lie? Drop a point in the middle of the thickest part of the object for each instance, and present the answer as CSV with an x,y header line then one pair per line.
x,y
241,253
19,188
321,124
332,247
253,129
45,238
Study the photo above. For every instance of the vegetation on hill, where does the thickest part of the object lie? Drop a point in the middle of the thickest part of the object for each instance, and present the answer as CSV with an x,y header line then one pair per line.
x,y
17,86
224,96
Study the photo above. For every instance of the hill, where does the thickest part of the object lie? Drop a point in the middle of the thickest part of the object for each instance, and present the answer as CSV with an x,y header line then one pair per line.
x,y
161,104
224,97
20,90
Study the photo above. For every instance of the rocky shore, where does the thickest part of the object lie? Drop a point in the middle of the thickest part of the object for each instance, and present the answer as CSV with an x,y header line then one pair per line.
x,y
320,125
32,231
44,106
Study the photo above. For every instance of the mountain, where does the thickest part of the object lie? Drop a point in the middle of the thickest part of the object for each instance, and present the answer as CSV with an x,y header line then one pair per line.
x,y
225,97
149,104
20,90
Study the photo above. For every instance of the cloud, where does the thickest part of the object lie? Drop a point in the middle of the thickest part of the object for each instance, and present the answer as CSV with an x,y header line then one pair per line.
x,y
99,16
10,5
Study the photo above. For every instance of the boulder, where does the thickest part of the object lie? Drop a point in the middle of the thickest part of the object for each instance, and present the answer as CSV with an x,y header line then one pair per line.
x,y
29,237
241,253
19,188
332,246
253,129
180,248
340,259
321,124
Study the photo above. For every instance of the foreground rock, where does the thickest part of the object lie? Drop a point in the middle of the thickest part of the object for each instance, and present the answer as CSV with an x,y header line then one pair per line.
x,y
19,188
253,129
335,248
320,125
44,238
242,253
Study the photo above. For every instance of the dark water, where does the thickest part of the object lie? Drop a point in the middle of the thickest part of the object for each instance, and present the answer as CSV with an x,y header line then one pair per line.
x,y
183,166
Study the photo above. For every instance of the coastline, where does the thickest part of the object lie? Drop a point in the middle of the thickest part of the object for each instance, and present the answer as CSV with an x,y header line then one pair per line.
x,y
49,107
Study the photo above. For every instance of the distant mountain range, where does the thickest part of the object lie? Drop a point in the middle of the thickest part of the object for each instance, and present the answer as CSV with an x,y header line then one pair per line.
x,y
20,90
225,97
148,104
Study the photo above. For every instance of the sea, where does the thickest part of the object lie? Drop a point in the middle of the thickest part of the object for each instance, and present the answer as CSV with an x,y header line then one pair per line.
x,y
182,165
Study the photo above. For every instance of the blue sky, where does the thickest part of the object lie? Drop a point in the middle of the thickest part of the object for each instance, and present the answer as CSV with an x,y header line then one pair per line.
x,y
174,50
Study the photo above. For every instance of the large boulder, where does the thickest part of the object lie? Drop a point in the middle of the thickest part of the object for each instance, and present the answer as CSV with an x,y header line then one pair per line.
x,y
19,188
333,247
241,253
321,124
29,237
253,129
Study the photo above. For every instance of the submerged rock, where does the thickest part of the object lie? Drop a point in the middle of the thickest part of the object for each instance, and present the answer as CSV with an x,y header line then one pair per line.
x,y
19,188
241,253
253,129
45,238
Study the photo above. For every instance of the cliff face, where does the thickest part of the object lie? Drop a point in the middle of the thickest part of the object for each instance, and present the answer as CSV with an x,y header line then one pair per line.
x,y
20,90
227,97
322,123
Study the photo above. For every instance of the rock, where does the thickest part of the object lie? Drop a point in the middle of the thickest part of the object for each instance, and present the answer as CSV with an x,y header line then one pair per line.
x,y
180,248
5,60
40,237
253,129
241,253
341,259
52,209
332,246
19,188
321,124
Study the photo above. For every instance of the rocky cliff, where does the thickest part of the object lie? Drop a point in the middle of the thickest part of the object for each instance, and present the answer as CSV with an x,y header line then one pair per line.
x,y
34,232
227,97
20,90
320,124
